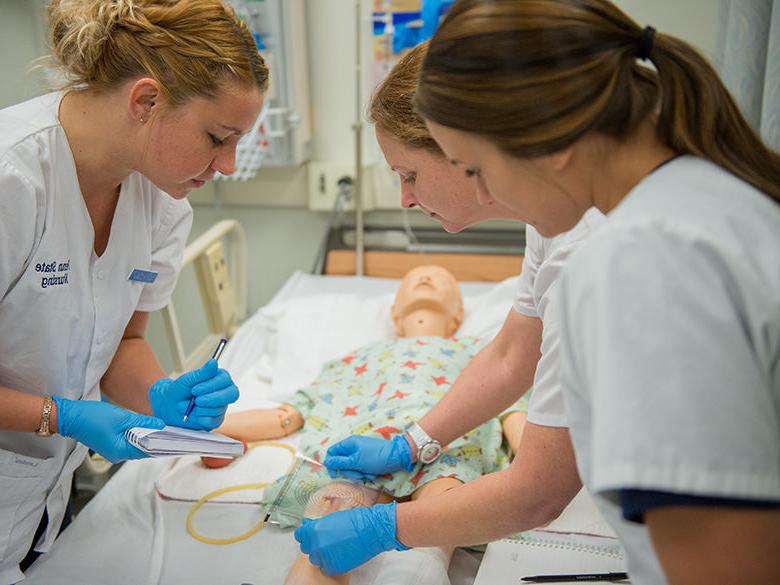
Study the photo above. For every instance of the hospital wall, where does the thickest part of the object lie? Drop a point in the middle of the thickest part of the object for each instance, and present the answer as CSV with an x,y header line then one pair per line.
x,y
283,233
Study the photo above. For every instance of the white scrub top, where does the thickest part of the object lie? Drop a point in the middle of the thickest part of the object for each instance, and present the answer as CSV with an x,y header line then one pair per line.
x,y
63,310
671,347
537,297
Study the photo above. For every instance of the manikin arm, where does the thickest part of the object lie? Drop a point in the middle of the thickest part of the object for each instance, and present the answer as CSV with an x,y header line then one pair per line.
x,y
496,377
533,491
261,424
512,426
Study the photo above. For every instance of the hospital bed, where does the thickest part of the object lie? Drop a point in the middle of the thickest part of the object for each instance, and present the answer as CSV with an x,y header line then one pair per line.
x,y
129,535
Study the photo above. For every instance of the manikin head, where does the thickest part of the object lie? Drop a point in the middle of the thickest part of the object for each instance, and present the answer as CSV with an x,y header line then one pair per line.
x,y
428,302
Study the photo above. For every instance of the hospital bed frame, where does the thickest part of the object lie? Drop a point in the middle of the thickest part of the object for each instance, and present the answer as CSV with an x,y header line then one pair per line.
x,y
223,291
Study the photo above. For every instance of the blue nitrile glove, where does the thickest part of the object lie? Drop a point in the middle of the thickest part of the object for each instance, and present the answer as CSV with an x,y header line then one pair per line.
x,y
341,541
213,387
363,458
101,426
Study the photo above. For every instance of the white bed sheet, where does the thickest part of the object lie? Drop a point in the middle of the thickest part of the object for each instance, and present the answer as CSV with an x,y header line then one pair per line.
x,y
127,535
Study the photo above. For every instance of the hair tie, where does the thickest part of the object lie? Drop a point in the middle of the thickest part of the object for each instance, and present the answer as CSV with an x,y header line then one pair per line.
x,y
644,43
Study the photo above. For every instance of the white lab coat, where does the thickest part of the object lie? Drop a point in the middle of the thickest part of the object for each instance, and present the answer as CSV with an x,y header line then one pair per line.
x,y
537,297
63,310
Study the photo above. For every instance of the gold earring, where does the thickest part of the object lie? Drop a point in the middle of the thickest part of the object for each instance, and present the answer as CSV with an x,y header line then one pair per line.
x,y
142,119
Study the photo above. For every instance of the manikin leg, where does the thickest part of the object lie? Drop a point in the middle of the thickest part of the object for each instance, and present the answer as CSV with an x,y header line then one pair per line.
x,y
338,495
418,566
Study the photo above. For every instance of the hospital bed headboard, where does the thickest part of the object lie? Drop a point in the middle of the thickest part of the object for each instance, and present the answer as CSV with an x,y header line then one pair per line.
x,y
223,291
394,264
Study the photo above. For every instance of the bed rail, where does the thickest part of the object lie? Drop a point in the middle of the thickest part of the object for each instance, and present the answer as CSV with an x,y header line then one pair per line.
x,y
222,287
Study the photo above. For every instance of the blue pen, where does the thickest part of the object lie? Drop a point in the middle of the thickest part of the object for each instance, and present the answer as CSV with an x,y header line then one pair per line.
x,y
217,352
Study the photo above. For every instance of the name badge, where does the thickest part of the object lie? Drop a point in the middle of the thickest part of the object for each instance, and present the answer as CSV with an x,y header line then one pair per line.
x,y
139,275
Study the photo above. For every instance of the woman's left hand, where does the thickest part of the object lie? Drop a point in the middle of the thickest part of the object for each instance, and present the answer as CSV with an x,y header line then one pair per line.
x,y
343,540
212,387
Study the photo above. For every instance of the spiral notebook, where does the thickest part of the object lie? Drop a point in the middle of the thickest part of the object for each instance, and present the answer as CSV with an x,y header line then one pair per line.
x,y
579,541
174,441
543,553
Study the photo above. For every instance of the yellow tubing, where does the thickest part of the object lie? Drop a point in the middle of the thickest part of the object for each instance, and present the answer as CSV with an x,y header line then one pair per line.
x,y
235,488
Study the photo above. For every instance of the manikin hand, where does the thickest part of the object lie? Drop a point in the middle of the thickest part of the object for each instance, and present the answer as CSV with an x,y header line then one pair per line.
x,y
363,458
214,391
341,541
101,426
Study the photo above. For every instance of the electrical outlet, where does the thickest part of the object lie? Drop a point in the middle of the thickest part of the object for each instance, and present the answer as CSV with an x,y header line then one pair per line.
x,y
215,284
324,188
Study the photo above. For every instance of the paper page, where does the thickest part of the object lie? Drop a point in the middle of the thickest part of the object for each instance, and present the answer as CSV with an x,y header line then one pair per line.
x,y
538,553
170,441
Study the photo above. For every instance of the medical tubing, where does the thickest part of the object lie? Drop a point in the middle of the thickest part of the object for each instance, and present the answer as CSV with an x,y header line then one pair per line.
x,y
235,488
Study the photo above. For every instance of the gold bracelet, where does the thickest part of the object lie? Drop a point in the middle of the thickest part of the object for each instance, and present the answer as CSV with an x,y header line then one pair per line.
x,y
44,430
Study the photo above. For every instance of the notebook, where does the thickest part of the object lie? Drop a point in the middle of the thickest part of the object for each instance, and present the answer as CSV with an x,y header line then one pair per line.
x,y
544,553
173,441
579,541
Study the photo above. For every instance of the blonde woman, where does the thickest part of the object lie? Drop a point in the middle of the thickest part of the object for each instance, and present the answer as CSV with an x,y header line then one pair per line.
x,y
93,222
669,318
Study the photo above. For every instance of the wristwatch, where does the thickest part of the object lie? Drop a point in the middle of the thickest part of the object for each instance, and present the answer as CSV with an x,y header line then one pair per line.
x,y
427,449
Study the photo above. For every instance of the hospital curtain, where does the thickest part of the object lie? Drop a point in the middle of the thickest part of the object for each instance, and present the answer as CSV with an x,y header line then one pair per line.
x,y
748,59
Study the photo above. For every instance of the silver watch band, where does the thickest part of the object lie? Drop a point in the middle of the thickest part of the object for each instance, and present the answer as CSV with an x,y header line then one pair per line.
x,y
428,449
419,437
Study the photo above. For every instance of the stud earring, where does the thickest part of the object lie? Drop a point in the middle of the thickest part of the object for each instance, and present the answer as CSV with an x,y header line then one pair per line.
x,y
142,119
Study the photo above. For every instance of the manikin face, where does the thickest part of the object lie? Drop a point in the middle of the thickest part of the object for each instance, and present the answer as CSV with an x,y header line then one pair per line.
x,y
429,181
185,146
529,188
428,302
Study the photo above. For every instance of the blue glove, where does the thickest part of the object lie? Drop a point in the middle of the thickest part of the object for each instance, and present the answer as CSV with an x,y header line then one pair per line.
x,y
101,426
341,541
214,390
363,458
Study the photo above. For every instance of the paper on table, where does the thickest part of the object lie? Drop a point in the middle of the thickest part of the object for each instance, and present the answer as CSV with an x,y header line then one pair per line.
x,y
173,441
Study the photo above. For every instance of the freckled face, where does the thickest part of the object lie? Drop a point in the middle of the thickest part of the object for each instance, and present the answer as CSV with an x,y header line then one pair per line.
x,y
526,187
430,182
186,145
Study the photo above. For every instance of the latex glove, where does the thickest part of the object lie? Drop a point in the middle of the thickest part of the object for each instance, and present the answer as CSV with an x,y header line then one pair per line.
x,y
341,541
363,458
101,426
214,390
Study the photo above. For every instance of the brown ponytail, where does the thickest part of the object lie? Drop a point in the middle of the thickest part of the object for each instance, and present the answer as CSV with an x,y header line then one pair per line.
x,y
533,76
189,46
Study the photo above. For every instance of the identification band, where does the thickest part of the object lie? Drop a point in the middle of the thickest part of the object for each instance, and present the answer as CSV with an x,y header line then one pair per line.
x,y
138,275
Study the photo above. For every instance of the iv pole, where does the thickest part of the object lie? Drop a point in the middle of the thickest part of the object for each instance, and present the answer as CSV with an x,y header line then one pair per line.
x,y
358,129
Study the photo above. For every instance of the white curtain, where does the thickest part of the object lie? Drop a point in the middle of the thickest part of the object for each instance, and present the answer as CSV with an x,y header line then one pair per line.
x,y
748,58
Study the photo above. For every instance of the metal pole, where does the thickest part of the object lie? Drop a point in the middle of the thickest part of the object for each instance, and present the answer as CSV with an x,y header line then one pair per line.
x,y
358,128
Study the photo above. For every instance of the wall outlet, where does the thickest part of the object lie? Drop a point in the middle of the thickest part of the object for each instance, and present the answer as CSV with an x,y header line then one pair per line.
x,y
323,185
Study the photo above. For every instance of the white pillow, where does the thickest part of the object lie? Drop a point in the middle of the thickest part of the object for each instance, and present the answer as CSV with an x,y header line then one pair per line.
x,y
315,330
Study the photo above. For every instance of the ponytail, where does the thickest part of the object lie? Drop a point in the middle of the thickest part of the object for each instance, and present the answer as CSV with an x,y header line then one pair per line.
x,y
699,116
533,77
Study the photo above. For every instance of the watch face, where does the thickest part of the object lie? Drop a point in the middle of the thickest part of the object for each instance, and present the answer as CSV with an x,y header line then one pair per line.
x,y
429,452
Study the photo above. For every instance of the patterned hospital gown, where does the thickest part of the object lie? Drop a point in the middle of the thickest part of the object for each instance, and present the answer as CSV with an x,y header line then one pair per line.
x,y
381,388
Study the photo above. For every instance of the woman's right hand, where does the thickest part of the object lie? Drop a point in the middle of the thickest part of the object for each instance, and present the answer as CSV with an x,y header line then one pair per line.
x,y
363,458
101,426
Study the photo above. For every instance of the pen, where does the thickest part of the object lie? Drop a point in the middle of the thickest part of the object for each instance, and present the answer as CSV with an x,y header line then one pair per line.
x,y
576,577
217,352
